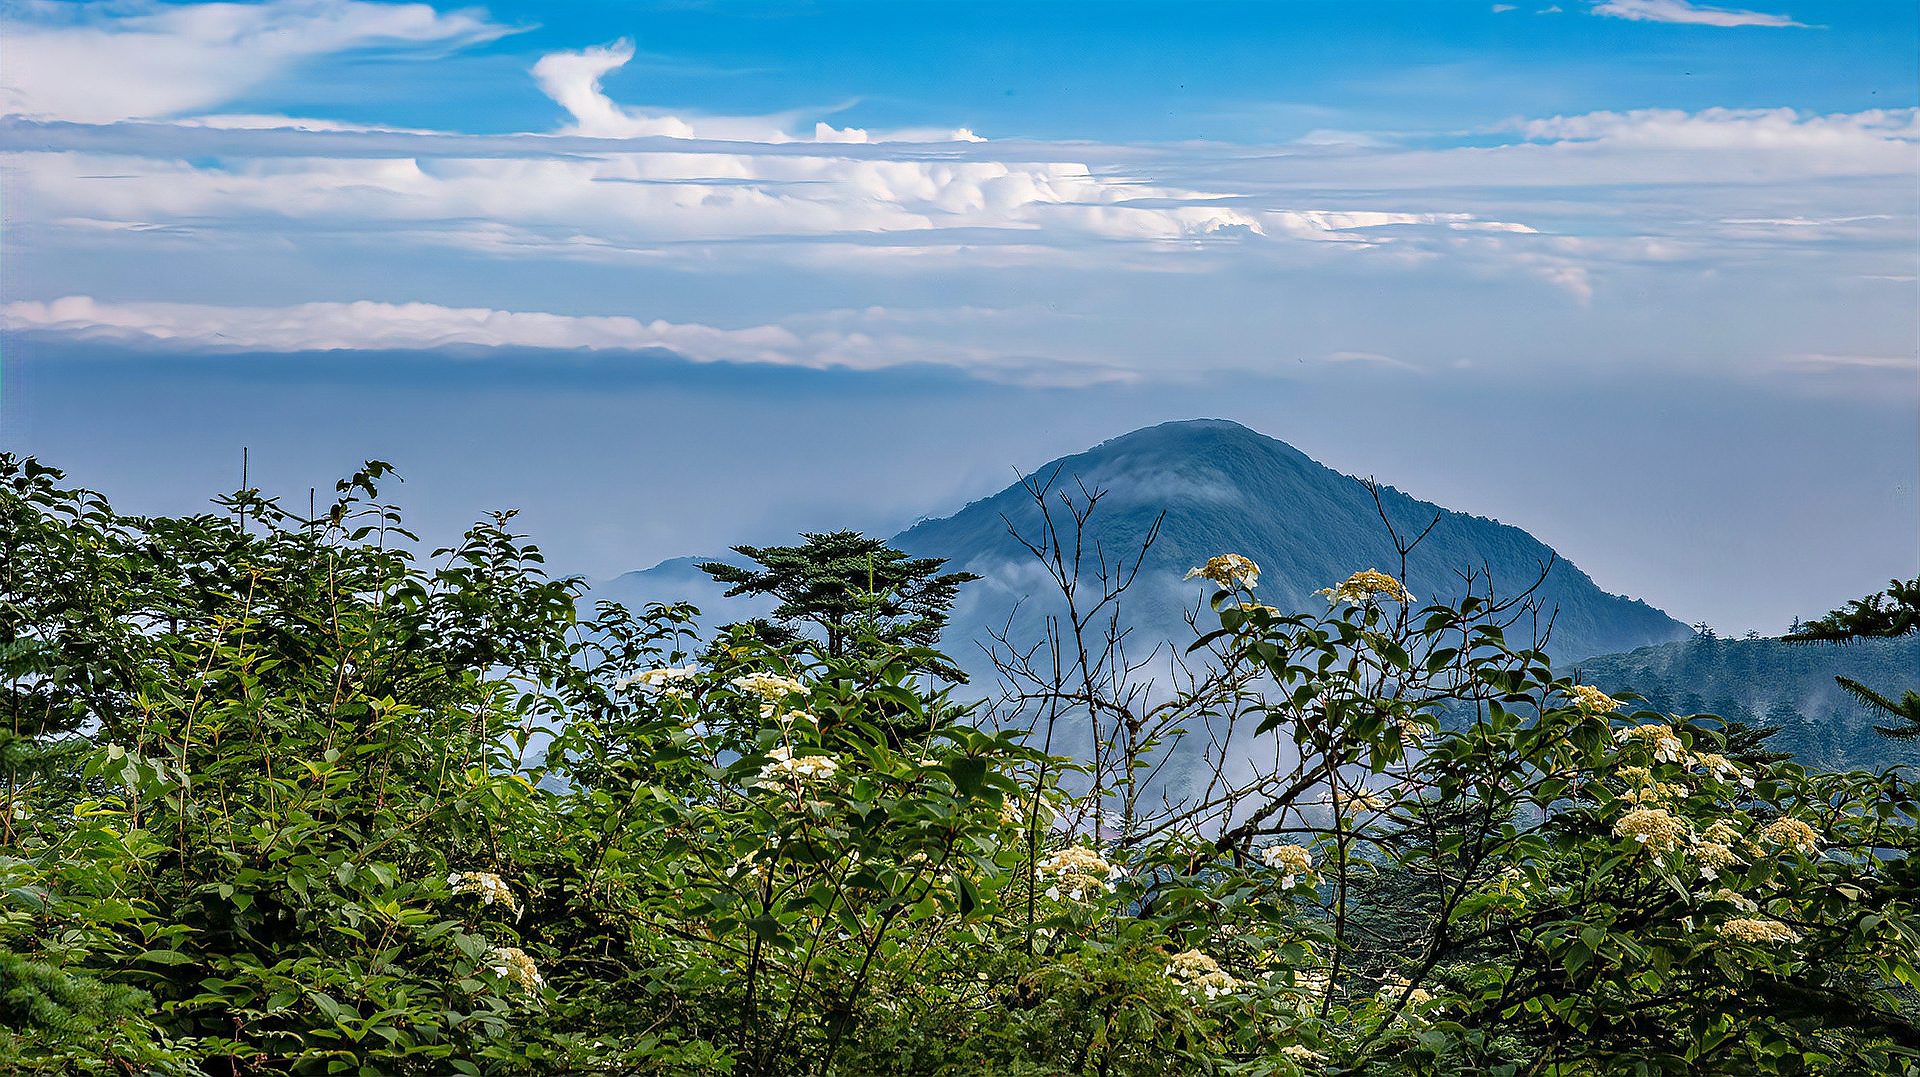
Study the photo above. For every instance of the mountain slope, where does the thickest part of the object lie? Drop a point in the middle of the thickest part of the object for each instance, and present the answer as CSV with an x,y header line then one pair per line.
x,y
1226,489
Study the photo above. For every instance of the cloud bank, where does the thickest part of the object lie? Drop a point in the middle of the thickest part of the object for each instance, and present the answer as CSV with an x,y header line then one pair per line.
x,y
374,326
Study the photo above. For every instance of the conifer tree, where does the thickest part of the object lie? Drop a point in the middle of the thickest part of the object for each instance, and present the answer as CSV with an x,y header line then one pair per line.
x,y
849,586
1881,615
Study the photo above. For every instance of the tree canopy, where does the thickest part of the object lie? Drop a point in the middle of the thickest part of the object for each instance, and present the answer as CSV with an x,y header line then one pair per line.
x,y
851,587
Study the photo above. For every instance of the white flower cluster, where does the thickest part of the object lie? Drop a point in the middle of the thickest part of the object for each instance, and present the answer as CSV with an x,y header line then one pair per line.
x,y
1656,828
1757,931
1714,857
1792,834
786,772
1659,738
1734,898
1589,698
663,682
1229,570
1292,861
1361,800
1078,873
769,686
1199,974
1302,1055
512,964
1395,986
1362,587
780,714
1722,769
493,890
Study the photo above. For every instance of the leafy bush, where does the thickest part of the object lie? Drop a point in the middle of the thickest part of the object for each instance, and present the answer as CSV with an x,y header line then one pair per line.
x,y
283,796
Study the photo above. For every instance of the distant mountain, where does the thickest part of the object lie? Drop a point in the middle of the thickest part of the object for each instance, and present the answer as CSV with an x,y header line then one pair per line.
x,y
1224,489
1772,682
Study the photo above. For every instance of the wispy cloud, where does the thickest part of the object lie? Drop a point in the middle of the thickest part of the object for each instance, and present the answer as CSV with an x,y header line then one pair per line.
x,y
1817,363
100,61
1681,11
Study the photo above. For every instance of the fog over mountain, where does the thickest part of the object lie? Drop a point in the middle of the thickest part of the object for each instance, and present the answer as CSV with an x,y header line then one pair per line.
x,y
1222,489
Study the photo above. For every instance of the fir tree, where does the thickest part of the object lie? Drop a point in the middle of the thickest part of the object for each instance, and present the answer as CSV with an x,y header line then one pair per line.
x,y
1881,615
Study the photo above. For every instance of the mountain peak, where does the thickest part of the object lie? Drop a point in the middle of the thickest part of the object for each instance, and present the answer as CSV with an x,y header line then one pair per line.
x,y
1215,486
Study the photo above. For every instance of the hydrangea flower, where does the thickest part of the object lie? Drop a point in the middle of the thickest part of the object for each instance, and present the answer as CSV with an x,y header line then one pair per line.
x,y
1228,570
1792,834
1362,587
1396,987
1713,857
1757,931
1589,698
1659,738
1656,828
1293,861
493,890
1078,873
512,964
1734,898
769,686
785,772
663,681
1722,769
1362,799
1199,974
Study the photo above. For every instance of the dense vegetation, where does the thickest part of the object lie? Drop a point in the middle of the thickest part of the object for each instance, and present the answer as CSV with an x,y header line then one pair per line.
x,y
281,796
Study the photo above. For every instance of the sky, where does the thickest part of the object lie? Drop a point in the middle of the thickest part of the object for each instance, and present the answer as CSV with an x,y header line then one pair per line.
x,y
1635,275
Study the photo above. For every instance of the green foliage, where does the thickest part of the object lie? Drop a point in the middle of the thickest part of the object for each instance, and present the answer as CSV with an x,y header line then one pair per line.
x,y
287,797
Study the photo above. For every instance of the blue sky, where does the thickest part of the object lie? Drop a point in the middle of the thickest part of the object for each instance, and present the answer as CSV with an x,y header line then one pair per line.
x,y
1660,257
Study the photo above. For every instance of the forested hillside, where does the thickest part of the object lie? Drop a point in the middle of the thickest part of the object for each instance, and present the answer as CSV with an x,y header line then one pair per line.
x,y
1772,682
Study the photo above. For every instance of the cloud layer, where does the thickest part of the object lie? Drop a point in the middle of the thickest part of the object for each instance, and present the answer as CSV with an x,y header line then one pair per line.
x,y
846,340
1704,221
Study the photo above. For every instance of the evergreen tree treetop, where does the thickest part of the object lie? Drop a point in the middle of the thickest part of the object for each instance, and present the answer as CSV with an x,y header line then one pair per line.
x,y
847,584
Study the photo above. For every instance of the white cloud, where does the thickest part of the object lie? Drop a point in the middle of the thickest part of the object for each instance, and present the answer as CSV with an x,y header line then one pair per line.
x,y
572,79
102,61
1818,363
371,326
1681,11
1607,182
